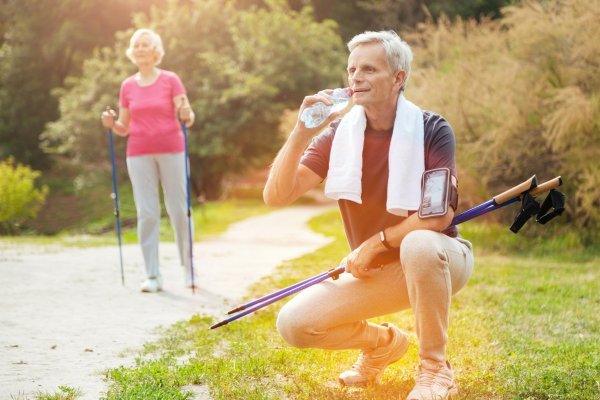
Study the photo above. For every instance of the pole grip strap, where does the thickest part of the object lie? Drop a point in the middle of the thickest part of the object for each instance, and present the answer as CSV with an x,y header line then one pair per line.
x,y
553,206
529,207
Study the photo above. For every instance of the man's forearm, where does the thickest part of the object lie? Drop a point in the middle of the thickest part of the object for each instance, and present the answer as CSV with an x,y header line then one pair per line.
x,y
395,234
279,189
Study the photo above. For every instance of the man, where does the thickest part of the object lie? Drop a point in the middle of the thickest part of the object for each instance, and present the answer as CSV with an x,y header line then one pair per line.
x,y
374,161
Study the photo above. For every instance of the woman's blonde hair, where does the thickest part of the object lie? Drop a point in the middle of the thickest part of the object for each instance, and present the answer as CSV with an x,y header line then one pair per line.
x,y
154,38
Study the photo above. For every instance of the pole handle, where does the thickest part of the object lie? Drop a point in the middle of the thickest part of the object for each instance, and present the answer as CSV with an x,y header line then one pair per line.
x,y
546,186
518,190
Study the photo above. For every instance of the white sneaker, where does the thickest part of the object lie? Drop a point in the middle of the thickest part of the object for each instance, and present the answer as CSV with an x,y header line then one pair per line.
x,y
369,367
435,381
152,285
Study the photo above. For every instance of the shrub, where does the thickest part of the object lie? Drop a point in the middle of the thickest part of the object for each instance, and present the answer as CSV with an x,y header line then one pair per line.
x,y
20,199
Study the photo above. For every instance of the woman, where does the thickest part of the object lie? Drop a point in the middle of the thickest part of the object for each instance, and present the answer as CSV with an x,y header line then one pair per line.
x,y
149,103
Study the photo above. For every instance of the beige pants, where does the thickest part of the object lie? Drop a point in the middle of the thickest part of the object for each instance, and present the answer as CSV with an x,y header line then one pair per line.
x,y
333,314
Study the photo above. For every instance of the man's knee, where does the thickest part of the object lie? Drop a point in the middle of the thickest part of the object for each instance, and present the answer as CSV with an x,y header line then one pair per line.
x,y
295,329
419,253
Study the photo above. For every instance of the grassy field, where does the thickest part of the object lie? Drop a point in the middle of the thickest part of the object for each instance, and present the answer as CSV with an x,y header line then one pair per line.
x,y
210,218
525,327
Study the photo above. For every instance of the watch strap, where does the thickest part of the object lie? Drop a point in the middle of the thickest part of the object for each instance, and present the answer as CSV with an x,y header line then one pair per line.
x,y
384,241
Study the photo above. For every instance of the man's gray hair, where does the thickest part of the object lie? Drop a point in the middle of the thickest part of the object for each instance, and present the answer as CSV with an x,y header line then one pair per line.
x,y
398,53
154,38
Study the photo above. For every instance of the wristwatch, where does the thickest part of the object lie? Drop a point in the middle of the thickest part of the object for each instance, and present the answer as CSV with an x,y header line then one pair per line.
x,y
384,240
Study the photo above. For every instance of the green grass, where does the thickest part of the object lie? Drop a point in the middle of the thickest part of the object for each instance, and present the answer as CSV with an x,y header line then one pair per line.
x,y
210,218
524,328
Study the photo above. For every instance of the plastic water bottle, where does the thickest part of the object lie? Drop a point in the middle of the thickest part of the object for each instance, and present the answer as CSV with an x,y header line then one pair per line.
x,y
316,114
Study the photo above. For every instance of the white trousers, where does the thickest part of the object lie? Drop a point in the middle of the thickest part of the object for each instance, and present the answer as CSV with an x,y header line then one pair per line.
x,y
145,172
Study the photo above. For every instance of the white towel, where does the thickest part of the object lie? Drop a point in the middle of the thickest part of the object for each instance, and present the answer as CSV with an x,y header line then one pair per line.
x,y
406,158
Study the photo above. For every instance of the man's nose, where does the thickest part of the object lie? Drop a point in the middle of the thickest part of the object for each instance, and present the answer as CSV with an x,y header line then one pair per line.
x,y
355,77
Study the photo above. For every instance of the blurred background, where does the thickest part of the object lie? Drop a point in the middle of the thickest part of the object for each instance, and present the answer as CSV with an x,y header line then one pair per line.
x,y
517,80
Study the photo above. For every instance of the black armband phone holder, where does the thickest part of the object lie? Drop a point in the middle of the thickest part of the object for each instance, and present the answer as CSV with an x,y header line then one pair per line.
x,y
438,192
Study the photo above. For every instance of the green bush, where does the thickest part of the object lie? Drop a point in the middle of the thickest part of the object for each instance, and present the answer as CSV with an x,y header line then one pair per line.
x,y
20,199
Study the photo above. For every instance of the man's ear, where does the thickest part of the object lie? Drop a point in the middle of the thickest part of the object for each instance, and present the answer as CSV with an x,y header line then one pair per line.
x,y
400,78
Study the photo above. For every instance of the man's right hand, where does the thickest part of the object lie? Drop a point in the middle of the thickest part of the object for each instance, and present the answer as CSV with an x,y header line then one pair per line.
x,y
108,118
324,96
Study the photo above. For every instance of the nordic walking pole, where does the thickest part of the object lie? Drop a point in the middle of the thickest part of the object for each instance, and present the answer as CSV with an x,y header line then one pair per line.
x,y
475,211
508,197
189,204
115,196
277,293
334,273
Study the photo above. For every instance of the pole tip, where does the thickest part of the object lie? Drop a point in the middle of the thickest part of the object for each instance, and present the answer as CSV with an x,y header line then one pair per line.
x,y
218,325
240,308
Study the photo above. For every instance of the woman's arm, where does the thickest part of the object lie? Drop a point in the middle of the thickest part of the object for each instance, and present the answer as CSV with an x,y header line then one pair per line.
x,y
184,109
121,125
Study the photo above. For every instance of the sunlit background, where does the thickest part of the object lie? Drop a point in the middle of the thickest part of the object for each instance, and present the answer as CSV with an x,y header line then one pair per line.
x,y
518,81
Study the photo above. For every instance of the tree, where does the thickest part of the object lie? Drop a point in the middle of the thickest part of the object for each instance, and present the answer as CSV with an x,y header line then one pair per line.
x,y
356,16
522,96
242,69
40,46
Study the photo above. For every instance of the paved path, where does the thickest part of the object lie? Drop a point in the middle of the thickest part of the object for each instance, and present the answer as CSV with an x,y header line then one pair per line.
x,y
65,318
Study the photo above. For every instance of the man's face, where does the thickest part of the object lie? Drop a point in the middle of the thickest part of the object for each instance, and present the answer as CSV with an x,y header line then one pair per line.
x,y
370,77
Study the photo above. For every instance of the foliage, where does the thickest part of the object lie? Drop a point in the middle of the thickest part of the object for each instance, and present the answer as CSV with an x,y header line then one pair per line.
x,y
20,199
522,96
355,16
242,70
39,47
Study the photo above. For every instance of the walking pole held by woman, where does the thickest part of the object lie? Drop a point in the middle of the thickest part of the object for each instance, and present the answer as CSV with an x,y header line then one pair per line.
x,y
150,102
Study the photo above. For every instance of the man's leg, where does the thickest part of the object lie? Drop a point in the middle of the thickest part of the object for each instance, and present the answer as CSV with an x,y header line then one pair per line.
x,y
435,266
332,315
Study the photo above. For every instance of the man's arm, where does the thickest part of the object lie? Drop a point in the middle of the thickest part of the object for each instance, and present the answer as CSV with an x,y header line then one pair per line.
x,y
363,256
288,179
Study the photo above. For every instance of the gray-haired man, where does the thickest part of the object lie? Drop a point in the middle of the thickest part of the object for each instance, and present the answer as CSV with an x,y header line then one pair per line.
x,y
373,160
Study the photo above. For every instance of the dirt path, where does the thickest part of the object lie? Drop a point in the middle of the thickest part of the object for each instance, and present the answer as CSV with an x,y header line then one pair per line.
x,y
65,318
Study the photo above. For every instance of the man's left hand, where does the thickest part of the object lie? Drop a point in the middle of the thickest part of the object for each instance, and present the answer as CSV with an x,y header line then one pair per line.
x,y
358,262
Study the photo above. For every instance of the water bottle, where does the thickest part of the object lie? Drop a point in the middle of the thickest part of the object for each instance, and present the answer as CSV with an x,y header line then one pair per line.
x,y
316,114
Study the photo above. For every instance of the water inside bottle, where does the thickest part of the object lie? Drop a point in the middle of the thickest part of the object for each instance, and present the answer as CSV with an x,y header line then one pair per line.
x,y
316,114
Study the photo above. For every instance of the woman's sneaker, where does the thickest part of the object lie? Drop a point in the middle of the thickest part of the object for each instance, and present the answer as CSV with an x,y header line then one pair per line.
x,y
434,381
152,285
370,365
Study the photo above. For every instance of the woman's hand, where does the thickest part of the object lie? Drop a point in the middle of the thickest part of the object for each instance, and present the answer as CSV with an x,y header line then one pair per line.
x,y
108,118
184,110
119,126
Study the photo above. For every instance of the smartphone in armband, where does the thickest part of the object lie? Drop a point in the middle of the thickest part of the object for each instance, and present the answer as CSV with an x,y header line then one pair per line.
x,y
435,190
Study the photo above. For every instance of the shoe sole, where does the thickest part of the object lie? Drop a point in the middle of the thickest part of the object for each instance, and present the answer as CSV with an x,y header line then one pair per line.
x,y
151,291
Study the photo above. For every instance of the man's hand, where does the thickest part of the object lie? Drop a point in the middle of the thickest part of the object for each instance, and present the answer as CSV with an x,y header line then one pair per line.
x,y
324,96
359,260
